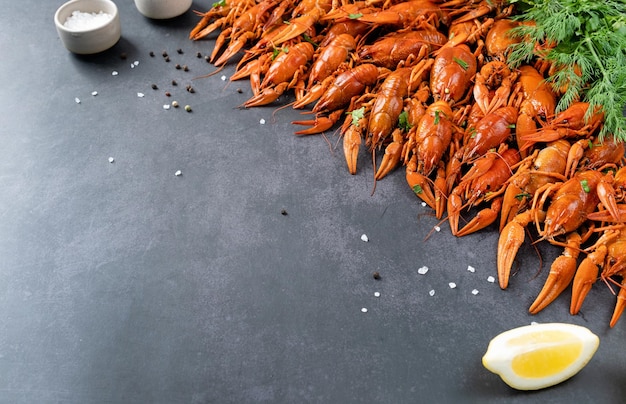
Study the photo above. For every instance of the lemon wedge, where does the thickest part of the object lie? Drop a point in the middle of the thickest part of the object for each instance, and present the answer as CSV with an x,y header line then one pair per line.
x,y
541,355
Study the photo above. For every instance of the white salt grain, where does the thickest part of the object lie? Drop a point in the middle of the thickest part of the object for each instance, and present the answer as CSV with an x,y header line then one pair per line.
x,y
132,65
422,270
111,159
432,292
77,100
471,269
452,285
114,73
364,310
136,63
376,294
166,106
178,173
223,78
262,121
475,292
94,93
424,204
364,238
140,95
437,228
80,21
491,279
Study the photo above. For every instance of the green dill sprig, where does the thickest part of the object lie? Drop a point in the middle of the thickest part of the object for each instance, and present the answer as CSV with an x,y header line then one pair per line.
x,y
585,41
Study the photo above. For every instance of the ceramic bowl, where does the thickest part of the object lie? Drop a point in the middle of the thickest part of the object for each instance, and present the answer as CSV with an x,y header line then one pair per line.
x,y
162,9
93,36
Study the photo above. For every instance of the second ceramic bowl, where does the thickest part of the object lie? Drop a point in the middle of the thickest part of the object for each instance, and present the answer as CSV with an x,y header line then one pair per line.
x,y
162,9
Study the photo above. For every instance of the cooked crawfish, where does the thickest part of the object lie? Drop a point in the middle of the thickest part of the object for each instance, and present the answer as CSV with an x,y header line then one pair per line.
x,y
388,102
493,86
328,59
452,72
433,134
247,27
397,47
490,132
592,154
570,123
571,203
408,13
346,87
537,103
498,38
543,167
474,189
284,72
221,15
608,254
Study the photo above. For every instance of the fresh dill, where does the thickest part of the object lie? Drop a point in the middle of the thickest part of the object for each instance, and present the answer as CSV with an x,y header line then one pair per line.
x,y
585,42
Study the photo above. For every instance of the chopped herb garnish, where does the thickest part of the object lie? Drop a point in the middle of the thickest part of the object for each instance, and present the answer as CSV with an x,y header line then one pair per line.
x,y
403,121
220,3
417,189
276,51
357,114
523,195
309,40
461,63
437,117
585,185
355,16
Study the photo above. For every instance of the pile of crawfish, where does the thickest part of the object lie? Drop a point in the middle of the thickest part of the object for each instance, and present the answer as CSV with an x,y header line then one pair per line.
x,y
427,85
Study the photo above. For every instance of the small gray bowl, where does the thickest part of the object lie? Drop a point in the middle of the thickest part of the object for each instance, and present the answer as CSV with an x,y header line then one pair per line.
x,y
93,38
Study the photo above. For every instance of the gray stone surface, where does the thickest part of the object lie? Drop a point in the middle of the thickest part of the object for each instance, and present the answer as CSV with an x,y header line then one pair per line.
x,y
124,283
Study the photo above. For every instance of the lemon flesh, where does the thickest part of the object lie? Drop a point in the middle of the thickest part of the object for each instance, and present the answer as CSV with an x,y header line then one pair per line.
x,y
548,358
538,356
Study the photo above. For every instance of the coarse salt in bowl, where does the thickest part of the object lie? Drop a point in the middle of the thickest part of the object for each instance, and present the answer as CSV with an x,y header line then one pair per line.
x,y
88,26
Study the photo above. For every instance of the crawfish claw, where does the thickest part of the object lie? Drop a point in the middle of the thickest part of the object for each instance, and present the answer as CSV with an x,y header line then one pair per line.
x,y
561,274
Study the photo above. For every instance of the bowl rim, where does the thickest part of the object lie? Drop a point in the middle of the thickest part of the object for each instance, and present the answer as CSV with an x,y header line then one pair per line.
x,y
60,25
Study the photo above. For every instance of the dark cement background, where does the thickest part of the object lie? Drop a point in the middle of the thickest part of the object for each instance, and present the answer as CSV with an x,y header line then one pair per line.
x,y
123,283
